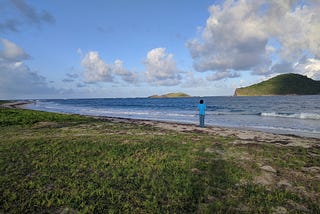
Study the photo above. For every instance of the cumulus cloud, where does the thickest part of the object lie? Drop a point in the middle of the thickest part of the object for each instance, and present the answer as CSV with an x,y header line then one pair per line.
x,y
97,70
192,81
17,79
126,75
222,75
309,67
161,68
264,36
12,52
17,13
232,39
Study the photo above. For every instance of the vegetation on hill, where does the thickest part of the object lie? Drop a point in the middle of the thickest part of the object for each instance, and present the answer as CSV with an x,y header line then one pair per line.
x,y
285,84
3,101
170,95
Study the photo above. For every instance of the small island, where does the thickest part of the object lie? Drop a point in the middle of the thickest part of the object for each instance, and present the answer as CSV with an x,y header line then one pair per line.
x,y
170,95
284,84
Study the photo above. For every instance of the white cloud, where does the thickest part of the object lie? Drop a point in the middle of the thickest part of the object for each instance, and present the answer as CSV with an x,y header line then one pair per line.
x,y
97,70
310,68
232,39
161,69
17,79
12,52
126,75
237,36
192,81
222,75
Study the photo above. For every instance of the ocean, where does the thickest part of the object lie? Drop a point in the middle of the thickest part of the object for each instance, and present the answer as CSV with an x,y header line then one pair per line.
x,y
298,115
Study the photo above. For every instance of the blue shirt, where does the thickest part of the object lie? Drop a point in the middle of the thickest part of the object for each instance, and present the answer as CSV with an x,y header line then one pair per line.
x,y
202,109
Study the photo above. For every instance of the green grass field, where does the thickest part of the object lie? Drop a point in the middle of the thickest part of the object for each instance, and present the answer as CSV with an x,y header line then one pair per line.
x,y
57,163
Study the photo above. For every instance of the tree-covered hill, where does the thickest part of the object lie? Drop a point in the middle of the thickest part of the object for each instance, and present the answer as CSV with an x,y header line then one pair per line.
x,y
284,84
170,95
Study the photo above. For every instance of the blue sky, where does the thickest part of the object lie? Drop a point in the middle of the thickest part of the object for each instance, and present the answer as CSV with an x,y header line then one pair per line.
x,y
122,48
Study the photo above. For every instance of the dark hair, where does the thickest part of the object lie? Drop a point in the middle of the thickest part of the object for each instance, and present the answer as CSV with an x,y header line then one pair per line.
x,y
201,101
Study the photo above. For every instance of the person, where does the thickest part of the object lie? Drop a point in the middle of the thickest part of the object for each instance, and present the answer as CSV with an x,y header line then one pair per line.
x,y
202,112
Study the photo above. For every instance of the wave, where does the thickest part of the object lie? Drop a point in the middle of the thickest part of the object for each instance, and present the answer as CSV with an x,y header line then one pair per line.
x,y
304,116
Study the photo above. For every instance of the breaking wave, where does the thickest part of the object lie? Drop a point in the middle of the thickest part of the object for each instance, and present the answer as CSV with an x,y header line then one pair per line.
x,y
304,116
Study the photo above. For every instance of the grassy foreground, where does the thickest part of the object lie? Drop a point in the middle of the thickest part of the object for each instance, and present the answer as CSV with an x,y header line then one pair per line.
x,y
55,163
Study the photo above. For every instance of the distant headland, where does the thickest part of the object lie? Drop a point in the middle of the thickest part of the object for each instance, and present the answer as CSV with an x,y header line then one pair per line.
x,y
284,84
170,95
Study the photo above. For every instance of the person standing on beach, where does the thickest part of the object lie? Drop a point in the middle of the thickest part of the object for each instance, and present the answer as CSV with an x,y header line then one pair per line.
x,y
202,112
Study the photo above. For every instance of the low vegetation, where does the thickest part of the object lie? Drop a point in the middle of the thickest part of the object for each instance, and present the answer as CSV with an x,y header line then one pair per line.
x,y
56,163
3,101
171,95
285,84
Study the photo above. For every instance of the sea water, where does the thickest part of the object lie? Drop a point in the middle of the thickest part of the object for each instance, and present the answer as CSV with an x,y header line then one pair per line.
x,y
299,115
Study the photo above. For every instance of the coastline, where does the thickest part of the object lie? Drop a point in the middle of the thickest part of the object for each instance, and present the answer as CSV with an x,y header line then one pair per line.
x,y
242,136
16,104
142,166
263,114
245,136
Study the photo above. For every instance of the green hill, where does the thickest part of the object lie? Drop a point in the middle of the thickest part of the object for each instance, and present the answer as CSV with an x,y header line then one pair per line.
x,y
284,84
170,95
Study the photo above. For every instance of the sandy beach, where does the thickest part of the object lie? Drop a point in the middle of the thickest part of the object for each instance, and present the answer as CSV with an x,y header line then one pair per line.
x,y
242,136
15,104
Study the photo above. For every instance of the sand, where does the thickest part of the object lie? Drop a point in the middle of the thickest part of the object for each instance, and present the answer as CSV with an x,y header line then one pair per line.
x,y
241,136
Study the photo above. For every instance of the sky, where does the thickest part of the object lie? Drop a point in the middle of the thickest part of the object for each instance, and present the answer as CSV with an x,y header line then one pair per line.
x,y
123,48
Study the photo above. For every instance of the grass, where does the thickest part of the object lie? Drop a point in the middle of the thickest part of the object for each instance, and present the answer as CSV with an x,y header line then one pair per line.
x,y
3,101
61,163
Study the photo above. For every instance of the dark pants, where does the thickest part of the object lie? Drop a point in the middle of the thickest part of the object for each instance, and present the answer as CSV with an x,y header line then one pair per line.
x,y
201,120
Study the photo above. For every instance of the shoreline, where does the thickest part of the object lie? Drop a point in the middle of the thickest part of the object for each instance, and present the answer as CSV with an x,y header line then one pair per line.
x,y
242,136
245,136
16,104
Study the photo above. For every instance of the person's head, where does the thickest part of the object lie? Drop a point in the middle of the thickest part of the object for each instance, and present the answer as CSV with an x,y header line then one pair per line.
x,y
201,101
